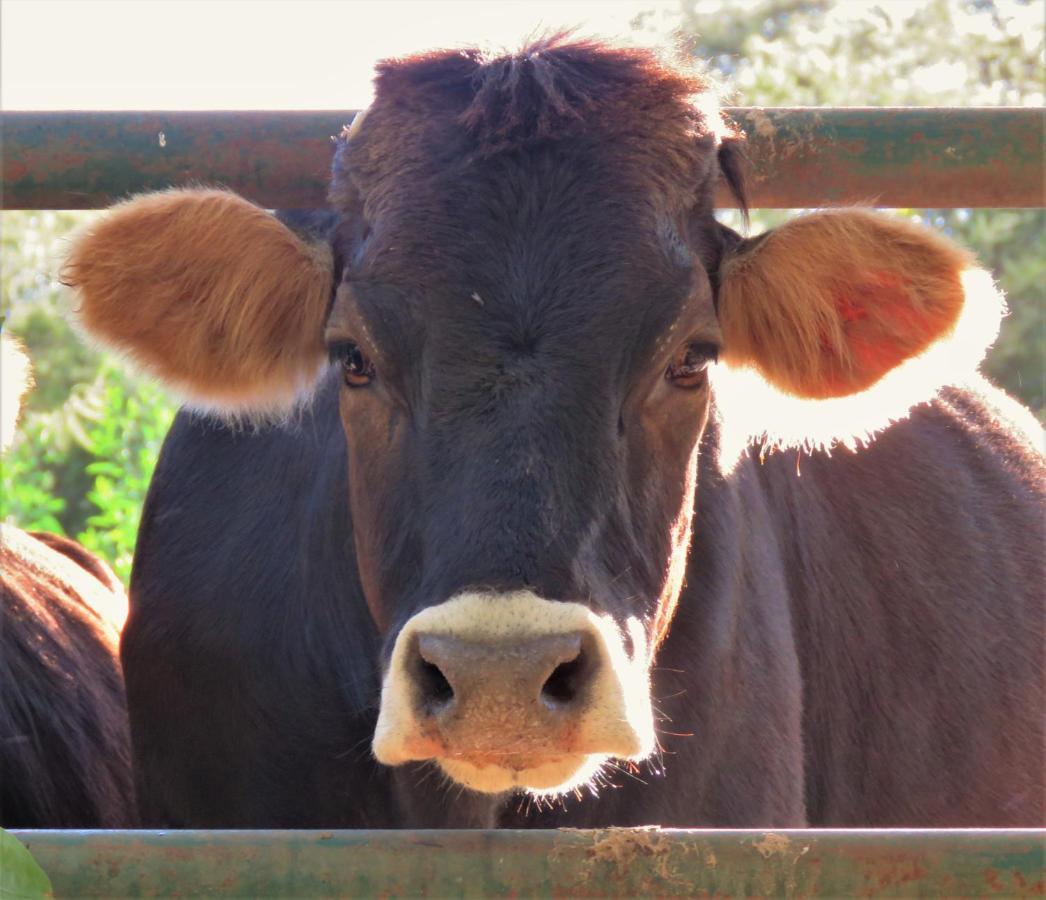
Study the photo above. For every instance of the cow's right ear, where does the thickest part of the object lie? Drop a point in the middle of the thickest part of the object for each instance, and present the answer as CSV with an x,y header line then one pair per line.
x,y
209,293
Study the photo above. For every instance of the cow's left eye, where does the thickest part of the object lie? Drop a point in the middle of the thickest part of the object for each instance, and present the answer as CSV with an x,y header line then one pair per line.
x,y
356,369
689,368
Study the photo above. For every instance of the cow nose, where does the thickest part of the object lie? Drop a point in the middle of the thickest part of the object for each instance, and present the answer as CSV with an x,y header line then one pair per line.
x,y
509,691
538,678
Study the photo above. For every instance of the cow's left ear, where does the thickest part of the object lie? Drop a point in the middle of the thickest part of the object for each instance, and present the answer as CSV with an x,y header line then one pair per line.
x,y
827,304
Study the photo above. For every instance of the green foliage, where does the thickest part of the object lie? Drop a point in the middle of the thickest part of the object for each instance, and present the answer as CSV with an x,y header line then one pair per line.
x,y
867,53
21,877
37,309
1012,244
89,434
84,468
29,495
124,459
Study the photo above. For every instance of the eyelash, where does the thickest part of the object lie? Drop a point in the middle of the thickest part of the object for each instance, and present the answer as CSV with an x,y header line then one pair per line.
x,y
690,368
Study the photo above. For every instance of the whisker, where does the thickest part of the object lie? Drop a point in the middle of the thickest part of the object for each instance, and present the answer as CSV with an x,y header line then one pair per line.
x,y
665,717
633,775
355,748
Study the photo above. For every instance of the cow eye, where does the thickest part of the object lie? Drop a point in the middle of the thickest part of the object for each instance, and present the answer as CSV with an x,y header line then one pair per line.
x,y
689,368
356,369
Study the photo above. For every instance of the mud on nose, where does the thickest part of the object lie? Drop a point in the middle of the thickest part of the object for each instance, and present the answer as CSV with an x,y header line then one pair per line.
x,y
539,677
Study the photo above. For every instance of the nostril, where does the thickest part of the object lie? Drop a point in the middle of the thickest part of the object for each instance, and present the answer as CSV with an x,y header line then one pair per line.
x,y
436,692
563,686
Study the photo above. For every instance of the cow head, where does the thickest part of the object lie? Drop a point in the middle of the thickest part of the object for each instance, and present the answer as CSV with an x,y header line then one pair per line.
x,y
523,299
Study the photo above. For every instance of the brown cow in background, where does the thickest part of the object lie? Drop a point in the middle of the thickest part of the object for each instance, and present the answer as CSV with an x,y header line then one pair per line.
x,y
64,744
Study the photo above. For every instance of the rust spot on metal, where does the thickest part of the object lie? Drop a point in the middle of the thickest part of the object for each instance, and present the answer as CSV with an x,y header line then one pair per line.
x,y
773,844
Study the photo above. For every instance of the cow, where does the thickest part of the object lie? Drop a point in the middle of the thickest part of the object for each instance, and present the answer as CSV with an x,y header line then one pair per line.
x,y
65,747
514,489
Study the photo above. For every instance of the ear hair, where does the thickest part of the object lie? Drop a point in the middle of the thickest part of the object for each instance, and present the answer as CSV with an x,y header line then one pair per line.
x,y
828,303
209,293
16,378
818,354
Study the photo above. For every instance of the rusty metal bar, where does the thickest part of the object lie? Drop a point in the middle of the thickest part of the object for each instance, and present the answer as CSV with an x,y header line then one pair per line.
x,y
986,157
565,863
896,157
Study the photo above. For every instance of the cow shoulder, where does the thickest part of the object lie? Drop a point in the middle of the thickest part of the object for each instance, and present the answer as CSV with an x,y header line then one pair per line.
x,y
66,754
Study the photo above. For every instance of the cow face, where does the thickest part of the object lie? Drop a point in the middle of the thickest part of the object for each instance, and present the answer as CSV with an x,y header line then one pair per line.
x,y
522,398
524,325
523,320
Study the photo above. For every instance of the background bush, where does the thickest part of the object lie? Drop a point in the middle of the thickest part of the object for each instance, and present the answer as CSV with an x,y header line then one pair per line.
x,y
91,432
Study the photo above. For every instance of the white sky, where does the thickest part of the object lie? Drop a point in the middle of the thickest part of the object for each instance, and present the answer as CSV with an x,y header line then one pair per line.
x,y
256,54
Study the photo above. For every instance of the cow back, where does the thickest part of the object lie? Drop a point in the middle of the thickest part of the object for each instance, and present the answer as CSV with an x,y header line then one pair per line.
x,y
65,756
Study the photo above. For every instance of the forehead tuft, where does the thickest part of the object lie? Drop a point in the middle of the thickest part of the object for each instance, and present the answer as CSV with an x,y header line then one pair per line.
x,y
446,109
552,89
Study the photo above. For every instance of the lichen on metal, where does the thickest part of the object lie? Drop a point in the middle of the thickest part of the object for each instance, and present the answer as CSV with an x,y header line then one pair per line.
x,y
563,863
802,157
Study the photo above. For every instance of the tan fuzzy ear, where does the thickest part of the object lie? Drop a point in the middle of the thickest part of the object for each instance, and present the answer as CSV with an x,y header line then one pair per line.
x,y
829,303
15,380
208,292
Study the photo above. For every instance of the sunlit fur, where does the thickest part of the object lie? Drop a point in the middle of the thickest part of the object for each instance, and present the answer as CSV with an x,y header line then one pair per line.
x,y
617,720
65,759
15,380
549,779
209,293
750,409
675,575
827,304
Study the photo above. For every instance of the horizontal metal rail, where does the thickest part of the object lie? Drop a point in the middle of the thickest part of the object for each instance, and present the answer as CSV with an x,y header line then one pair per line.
x,y
564,863
805,157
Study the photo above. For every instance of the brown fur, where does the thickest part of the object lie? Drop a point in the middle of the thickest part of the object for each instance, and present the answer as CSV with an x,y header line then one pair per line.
x,y
435,114
553,89
65,756
519,237
208,292
827,304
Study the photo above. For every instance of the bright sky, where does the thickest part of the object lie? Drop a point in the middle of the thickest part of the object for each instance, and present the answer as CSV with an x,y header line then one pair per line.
x,y
257,54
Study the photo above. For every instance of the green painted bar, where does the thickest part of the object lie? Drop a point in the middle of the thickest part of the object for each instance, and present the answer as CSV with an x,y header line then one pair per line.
x,y
932,157
564,863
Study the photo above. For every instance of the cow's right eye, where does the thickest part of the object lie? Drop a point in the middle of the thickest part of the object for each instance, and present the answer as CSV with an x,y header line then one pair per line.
x,y
689,368
356,369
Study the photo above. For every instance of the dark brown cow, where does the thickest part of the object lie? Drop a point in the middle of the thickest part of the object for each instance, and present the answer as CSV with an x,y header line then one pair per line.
x,y
528,536
65,753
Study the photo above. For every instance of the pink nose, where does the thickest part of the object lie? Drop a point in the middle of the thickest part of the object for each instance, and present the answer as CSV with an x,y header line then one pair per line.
x,y
491,697
509,691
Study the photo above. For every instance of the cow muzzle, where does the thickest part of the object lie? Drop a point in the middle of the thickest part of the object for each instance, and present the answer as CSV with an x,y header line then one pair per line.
x,y
510,691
